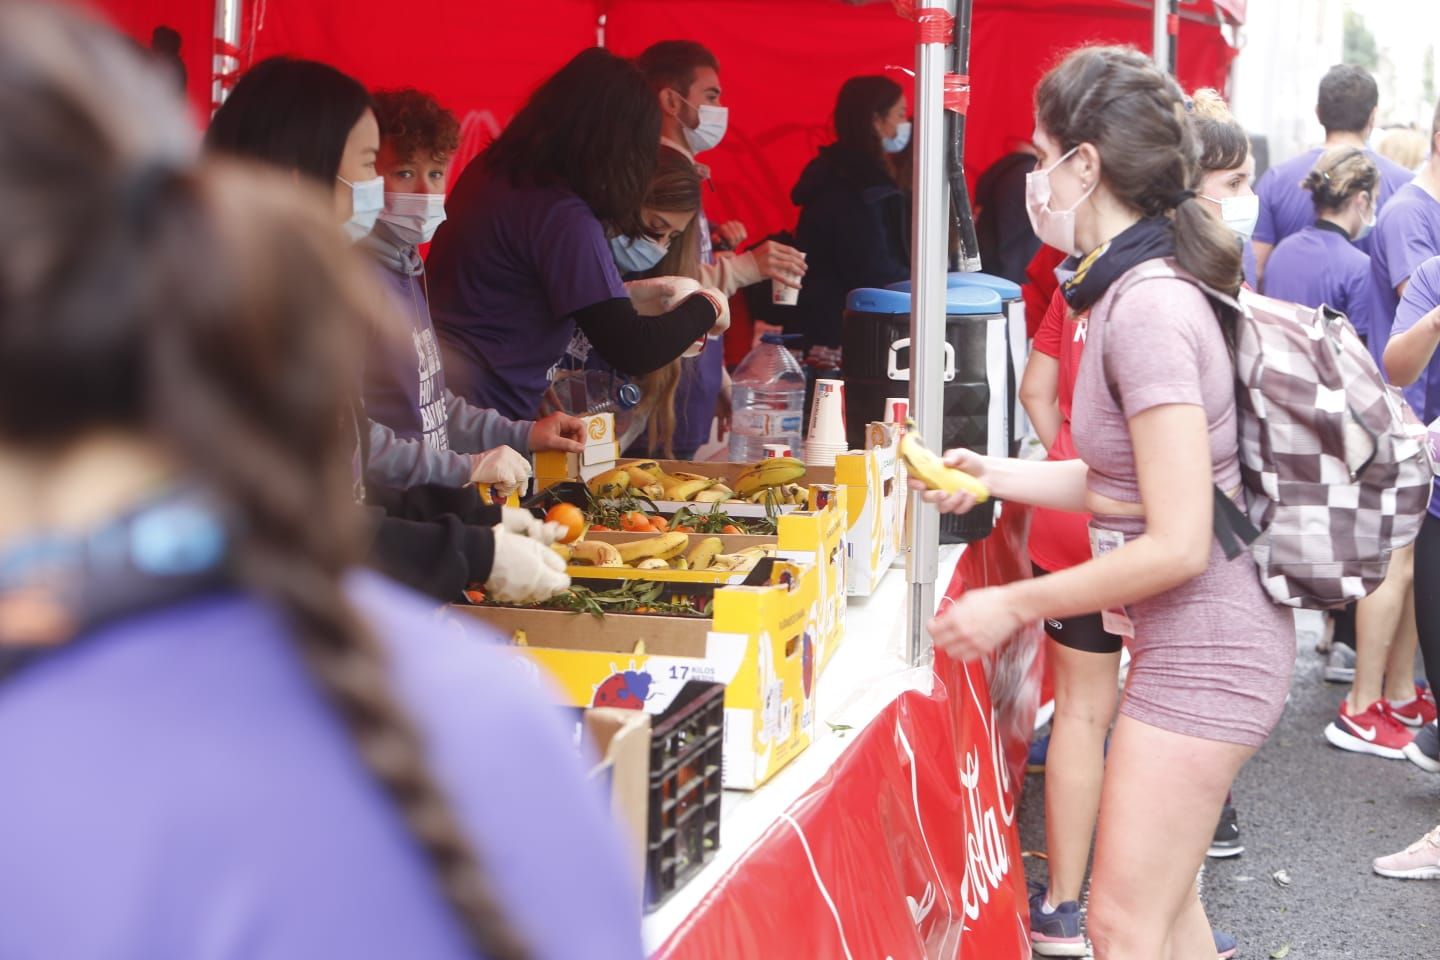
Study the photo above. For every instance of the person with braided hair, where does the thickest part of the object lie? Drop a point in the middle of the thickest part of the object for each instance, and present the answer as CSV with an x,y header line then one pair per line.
x,y
219,739
1155,427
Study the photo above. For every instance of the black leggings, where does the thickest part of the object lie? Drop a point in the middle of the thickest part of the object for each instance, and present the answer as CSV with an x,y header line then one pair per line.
x,y
1086,632
1427,595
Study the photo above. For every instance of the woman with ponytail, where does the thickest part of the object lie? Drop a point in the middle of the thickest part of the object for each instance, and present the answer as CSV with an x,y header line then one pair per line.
x,y
218,739
1155,428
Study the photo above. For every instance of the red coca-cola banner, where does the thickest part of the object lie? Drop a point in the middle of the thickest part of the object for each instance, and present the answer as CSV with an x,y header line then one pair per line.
x,y
907,848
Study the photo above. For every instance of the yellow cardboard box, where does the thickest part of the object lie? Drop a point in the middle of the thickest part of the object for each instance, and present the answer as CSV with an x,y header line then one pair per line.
x,y
762,643
602,450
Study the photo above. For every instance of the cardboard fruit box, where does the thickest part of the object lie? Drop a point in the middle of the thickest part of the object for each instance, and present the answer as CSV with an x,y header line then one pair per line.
x,y
761,643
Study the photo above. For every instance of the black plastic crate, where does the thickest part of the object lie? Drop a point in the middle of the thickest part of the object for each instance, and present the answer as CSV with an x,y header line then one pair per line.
x,y
686,743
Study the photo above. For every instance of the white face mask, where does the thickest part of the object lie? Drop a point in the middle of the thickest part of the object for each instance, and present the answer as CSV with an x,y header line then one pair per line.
x,y
713,122
414,217
637,254
1239,213
1055,228
367,200
900,141
1368,225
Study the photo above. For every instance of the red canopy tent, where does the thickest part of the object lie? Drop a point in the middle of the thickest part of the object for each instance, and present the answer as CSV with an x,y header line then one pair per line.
x,y
782,61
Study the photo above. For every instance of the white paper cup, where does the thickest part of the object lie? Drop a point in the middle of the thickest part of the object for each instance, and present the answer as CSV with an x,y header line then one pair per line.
x,y
775,450
827,413
783,295
897,409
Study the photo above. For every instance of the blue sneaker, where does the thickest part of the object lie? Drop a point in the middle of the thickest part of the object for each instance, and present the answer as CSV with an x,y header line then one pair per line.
x,y
1038,750
1057,933
1423,751
1225,945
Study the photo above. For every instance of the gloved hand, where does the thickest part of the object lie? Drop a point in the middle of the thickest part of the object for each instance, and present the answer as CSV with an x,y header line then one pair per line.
x,y
526,524
659,295
502,468
525,571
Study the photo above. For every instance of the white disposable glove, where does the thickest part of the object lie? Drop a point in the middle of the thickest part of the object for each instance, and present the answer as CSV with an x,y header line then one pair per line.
x,y
525,570
502,468
659,295
526,524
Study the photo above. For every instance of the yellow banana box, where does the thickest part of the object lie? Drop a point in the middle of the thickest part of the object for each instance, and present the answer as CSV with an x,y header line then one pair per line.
x,y
762,643
602,450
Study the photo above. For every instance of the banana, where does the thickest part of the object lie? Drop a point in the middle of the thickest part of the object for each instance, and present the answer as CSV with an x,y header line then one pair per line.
x,y
713,495
679,563
645,482
688,489
691,476
652,563
667,546
651,467
562,550
704,552
612,483
930,470
595,554
774,472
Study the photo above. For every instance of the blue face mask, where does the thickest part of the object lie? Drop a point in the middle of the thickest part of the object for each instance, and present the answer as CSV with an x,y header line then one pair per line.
x,y
636,254
900,141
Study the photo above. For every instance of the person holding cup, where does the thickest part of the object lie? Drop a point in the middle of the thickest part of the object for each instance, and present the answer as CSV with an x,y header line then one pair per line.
x,y
854,217
685,77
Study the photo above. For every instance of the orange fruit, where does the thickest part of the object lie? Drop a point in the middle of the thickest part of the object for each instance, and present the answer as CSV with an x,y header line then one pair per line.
x,y
659,524
683,529
730,528
570,517
635,522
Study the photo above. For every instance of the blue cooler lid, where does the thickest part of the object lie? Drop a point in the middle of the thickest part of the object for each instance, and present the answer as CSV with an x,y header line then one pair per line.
x,y
971,302
875,300
1005,288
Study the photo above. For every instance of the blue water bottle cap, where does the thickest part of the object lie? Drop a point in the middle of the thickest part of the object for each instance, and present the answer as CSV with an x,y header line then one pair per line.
x,y
780,338
628,396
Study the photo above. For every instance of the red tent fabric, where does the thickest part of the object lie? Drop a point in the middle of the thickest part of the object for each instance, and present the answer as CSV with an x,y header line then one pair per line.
x,y
781,62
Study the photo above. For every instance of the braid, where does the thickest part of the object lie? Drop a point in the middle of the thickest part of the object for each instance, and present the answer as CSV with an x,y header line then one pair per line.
x,y
286,477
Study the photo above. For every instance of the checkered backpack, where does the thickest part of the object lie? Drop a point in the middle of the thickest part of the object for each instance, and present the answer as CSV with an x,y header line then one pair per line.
x,y
1335,465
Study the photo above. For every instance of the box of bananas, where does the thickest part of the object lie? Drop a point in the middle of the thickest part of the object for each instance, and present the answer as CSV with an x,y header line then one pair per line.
x,y
665,557
775,484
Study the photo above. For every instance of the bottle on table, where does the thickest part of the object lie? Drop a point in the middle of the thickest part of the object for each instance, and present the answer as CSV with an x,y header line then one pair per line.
x,y
768,401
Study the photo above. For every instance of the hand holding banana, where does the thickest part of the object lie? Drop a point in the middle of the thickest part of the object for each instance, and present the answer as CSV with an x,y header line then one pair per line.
x,y
955,484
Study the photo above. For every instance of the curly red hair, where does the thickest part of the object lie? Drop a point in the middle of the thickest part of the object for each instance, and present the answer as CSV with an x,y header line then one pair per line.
x,y
415,124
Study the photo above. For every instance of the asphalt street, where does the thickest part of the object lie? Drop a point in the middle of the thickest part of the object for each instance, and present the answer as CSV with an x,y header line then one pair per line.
x,y
1320,815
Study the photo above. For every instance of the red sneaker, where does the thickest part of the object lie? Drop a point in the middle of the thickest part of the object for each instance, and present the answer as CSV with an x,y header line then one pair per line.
x,y
1374,730
1417,712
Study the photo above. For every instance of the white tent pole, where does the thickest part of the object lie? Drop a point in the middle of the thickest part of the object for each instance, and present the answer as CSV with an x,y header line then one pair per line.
x,y
1160,35
929,247
228,16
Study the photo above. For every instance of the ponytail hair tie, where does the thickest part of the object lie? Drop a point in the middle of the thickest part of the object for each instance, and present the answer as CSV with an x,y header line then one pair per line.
x,y
1181,197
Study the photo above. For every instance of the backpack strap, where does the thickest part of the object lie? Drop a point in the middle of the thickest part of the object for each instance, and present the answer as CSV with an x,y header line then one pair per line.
x,y
1232,528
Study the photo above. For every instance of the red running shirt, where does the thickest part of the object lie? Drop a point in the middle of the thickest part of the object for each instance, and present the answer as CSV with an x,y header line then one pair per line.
x,y
1060,539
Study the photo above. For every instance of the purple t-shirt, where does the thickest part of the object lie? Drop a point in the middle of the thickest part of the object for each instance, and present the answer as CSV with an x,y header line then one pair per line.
x,y
1320,265
1407,234
1421,296
175,786
508,270
1286,207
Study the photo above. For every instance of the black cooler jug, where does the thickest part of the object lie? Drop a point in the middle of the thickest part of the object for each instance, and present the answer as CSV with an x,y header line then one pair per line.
x,y
876,358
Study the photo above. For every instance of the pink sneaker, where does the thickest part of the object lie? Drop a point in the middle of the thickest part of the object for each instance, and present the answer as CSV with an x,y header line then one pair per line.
x,y
1419,861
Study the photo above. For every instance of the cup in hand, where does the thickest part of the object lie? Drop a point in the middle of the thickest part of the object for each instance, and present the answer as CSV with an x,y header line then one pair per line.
x,y
782,294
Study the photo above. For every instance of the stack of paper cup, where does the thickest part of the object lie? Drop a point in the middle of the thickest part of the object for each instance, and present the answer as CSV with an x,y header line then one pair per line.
x,y
827,424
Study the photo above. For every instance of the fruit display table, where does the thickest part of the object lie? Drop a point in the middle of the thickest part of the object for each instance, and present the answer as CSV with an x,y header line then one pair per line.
x,y
894,834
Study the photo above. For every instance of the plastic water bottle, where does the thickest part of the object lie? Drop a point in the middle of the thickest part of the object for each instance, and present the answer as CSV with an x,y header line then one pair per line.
x,y
768,401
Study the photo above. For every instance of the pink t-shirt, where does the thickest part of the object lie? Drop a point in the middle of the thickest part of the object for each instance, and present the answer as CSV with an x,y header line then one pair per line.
x,y
1162,344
